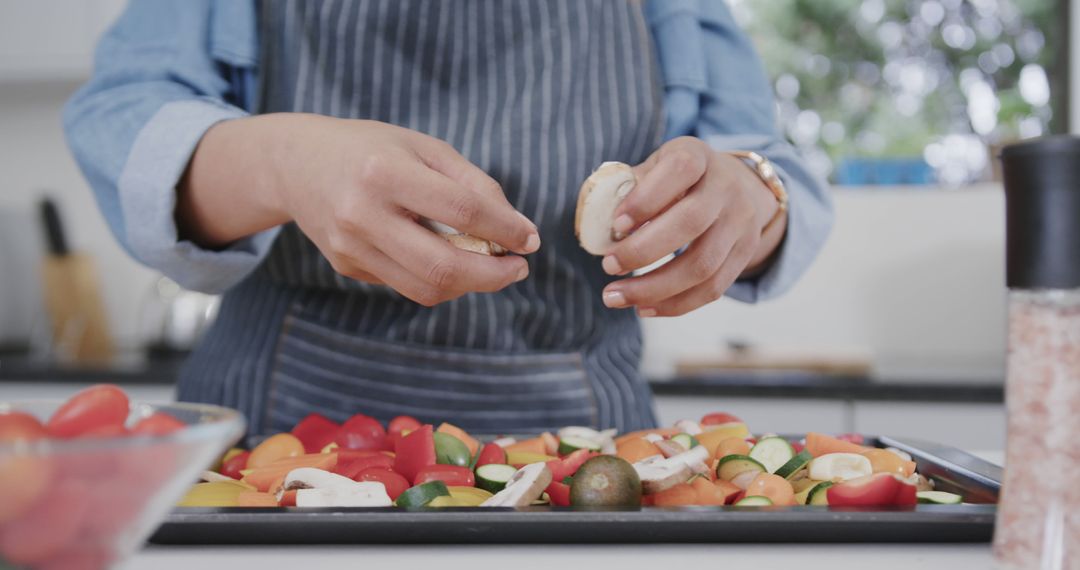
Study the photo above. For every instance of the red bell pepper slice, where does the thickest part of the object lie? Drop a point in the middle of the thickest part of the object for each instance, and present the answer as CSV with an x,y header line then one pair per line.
x,y
567,466
414,452
354,466
452,475
395,484
559,494
491,454
877,490
315,432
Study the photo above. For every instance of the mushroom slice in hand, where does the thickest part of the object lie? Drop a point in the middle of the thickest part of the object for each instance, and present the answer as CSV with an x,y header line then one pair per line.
x,y
462,240
600,194
366,494
524,487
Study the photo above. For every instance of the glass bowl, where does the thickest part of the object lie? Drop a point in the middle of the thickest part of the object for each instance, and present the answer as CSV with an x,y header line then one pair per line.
x,y
89,503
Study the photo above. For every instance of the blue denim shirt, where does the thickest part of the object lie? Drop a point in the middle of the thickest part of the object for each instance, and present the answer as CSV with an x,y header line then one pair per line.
x,y
167,71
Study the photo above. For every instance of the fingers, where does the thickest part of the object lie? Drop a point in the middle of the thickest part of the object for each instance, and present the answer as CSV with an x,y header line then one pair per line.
x,y
680,224
391,273
666,175
699,263
707,291
444,267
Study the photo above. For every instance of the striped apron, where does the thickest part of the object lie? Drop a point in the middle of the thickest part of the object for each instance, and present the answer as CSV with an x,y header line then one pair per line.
x,y
536,93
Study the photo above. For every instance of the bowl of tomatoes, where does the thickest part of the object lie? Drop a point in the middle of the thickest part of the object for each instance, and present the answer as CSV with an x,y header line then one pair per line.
x,y
84,481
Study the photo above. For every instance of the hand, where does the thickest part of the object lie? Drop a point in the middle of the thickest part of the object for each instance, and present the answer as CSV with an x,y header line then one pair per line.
x,y
357,189
688,193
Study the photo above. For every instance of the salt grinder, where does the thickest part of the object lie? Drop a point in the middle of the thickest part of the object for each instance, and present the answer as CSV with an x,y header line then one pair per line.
x,y
1038,521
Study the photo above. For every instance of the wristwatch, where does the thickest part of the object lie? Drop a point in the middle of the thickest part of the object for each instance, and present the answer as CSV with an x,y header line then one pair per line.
x,y
767,172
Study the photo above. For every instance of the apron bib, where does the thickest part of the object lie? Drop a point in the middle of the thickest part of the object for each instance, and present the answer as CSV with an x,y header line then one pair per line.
x,y
536,93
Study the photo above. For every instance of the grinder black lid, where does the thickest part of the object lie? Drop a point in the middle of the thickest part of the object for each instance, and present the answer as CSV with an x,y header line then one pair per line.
x,y
1042,211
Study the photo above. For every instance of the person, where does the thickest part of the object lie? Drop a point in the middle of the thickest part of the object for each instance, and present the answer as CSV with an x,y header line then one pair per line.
x,y
286,153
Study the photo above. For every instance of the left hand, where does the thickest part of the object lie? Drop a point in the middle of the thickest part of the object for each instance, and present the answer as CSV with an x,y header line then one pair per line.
x,y
688,193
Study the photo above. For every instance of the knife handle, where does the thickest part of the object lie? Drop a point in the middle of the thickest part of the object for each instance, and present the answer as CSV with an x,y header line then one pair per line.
x,y
54,229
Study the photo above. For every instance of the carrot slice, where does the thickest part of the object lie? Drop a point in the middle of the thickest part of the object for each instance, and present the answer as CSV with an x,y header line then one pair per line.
x,y
732,446
534,445
682,495
263,477
775,487
635,450
666,432
819,444
710,494
256,499
468,440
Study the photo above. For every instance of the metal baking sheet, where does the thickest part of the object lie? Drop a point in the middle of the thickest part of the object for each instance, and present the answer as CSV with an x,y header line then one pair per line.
x,y
951,469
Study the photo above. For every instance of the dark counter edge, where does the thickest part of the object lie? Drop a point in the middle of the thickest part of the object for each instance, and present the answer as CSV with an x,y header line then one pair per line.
x,y
749,384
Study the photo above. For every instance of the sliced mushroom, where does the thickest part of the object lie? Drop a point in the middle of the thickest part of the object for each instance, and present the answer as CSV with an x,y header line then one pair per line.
x,y
462,240
312,478
688,427
657,476
699,454
600,195
670,448
365,494
524,487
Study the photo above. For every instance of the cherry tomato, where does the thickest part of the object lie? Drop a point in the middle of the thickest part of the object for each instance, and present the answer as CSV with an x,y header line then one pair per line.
x,y
395,484
278,446
105,432
93,408
361,432
403,423
24,478
158,423
491,453
316,431
47,529
452,475
232,466
717,418
559,494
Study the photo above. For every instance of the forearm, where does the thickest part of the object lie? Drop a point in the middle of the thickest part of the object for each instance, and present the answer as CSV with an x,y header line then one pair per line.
x,y
231,188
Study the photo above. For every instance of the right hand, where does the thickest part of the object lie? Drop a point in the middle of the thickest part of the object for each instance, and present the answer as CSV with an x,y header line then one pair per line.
x,y
357,189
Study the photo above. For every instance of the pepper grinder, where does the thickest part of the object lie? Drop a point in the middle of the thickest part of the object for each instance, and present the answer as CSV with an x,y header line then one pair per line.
x,y
1038,521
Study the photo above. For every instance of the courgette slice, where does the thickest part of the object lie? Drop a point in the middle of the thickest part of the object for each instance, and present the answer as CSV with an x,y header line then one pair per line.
x,y
789,469
731,465
938,498
493,476
570,444
450,450
422,494
818,495
772,452
754,501
686,440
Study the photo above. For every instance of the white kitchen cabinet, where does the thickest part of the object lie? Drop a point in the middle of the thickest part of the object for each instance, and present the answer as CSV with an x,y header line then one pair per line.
x,y
47,40
966,426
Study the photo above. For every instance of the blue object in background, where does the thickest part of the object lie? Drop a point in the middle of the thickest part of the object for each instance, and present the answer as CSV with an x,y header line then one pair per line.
x,y
884,172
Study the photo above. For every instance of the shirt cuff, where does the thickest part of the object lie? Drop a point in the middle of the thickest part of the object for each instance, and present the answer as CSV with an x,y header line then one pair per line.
x,y
147,189
809,218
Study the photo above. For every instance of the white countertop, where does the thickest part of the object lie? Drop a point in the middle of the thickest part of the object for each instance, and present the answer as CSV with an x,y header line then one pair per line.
x,y
565,557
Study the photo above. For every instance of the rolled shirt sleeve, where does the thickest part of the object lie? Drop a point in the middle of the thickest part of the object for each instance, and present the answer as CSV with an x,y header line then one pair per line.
x,y
156,89
716,89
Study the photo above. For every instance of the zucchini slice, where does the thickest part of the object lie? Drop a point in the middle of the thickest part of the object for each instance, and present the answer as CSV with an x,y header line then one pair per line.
x,y
570,444
493,476
772,452
793,465
818,495
939,498
754,501
731,465
422,494
686,440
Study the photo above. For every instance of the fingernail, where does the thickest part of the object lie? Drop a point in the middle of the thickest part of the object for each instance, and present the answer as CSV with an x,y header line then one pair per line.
x,y
646,313
622,225
611,265
533,243
614,299
522,273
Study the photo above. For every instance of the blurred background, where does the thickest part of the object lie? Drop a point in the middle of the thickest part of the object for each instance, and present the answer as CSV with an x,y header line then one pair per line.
x,y
899,328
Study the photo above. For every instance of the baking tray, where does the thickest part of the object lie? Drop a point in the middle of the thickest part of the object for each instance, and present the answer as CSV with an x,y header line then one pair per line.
x,y
951,470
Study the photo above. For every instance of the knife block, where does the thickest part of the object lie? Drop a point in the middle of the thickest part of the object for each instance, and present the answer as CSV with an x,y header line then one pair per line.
x,y
73,300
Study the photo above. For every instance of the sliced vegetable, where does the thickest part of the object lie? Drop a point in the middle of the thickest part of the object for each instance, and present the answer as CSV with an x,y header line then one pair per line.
x,y
776,488
682,495
274,448
368,494
884,461
263,477
403,424
450,450
938,498
218,494
351,467
535,446
422,494
634,450
732,465
570,444
493,476
878,490
361,432
719,418
395,484
470,442
491,454
839,467
414,452
686,440
567,466
522,458
256,499
713,435
818,494
819,444
523,488
772,452
558,494
461,497
732,446
458,475
792,467
754,501
315,431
